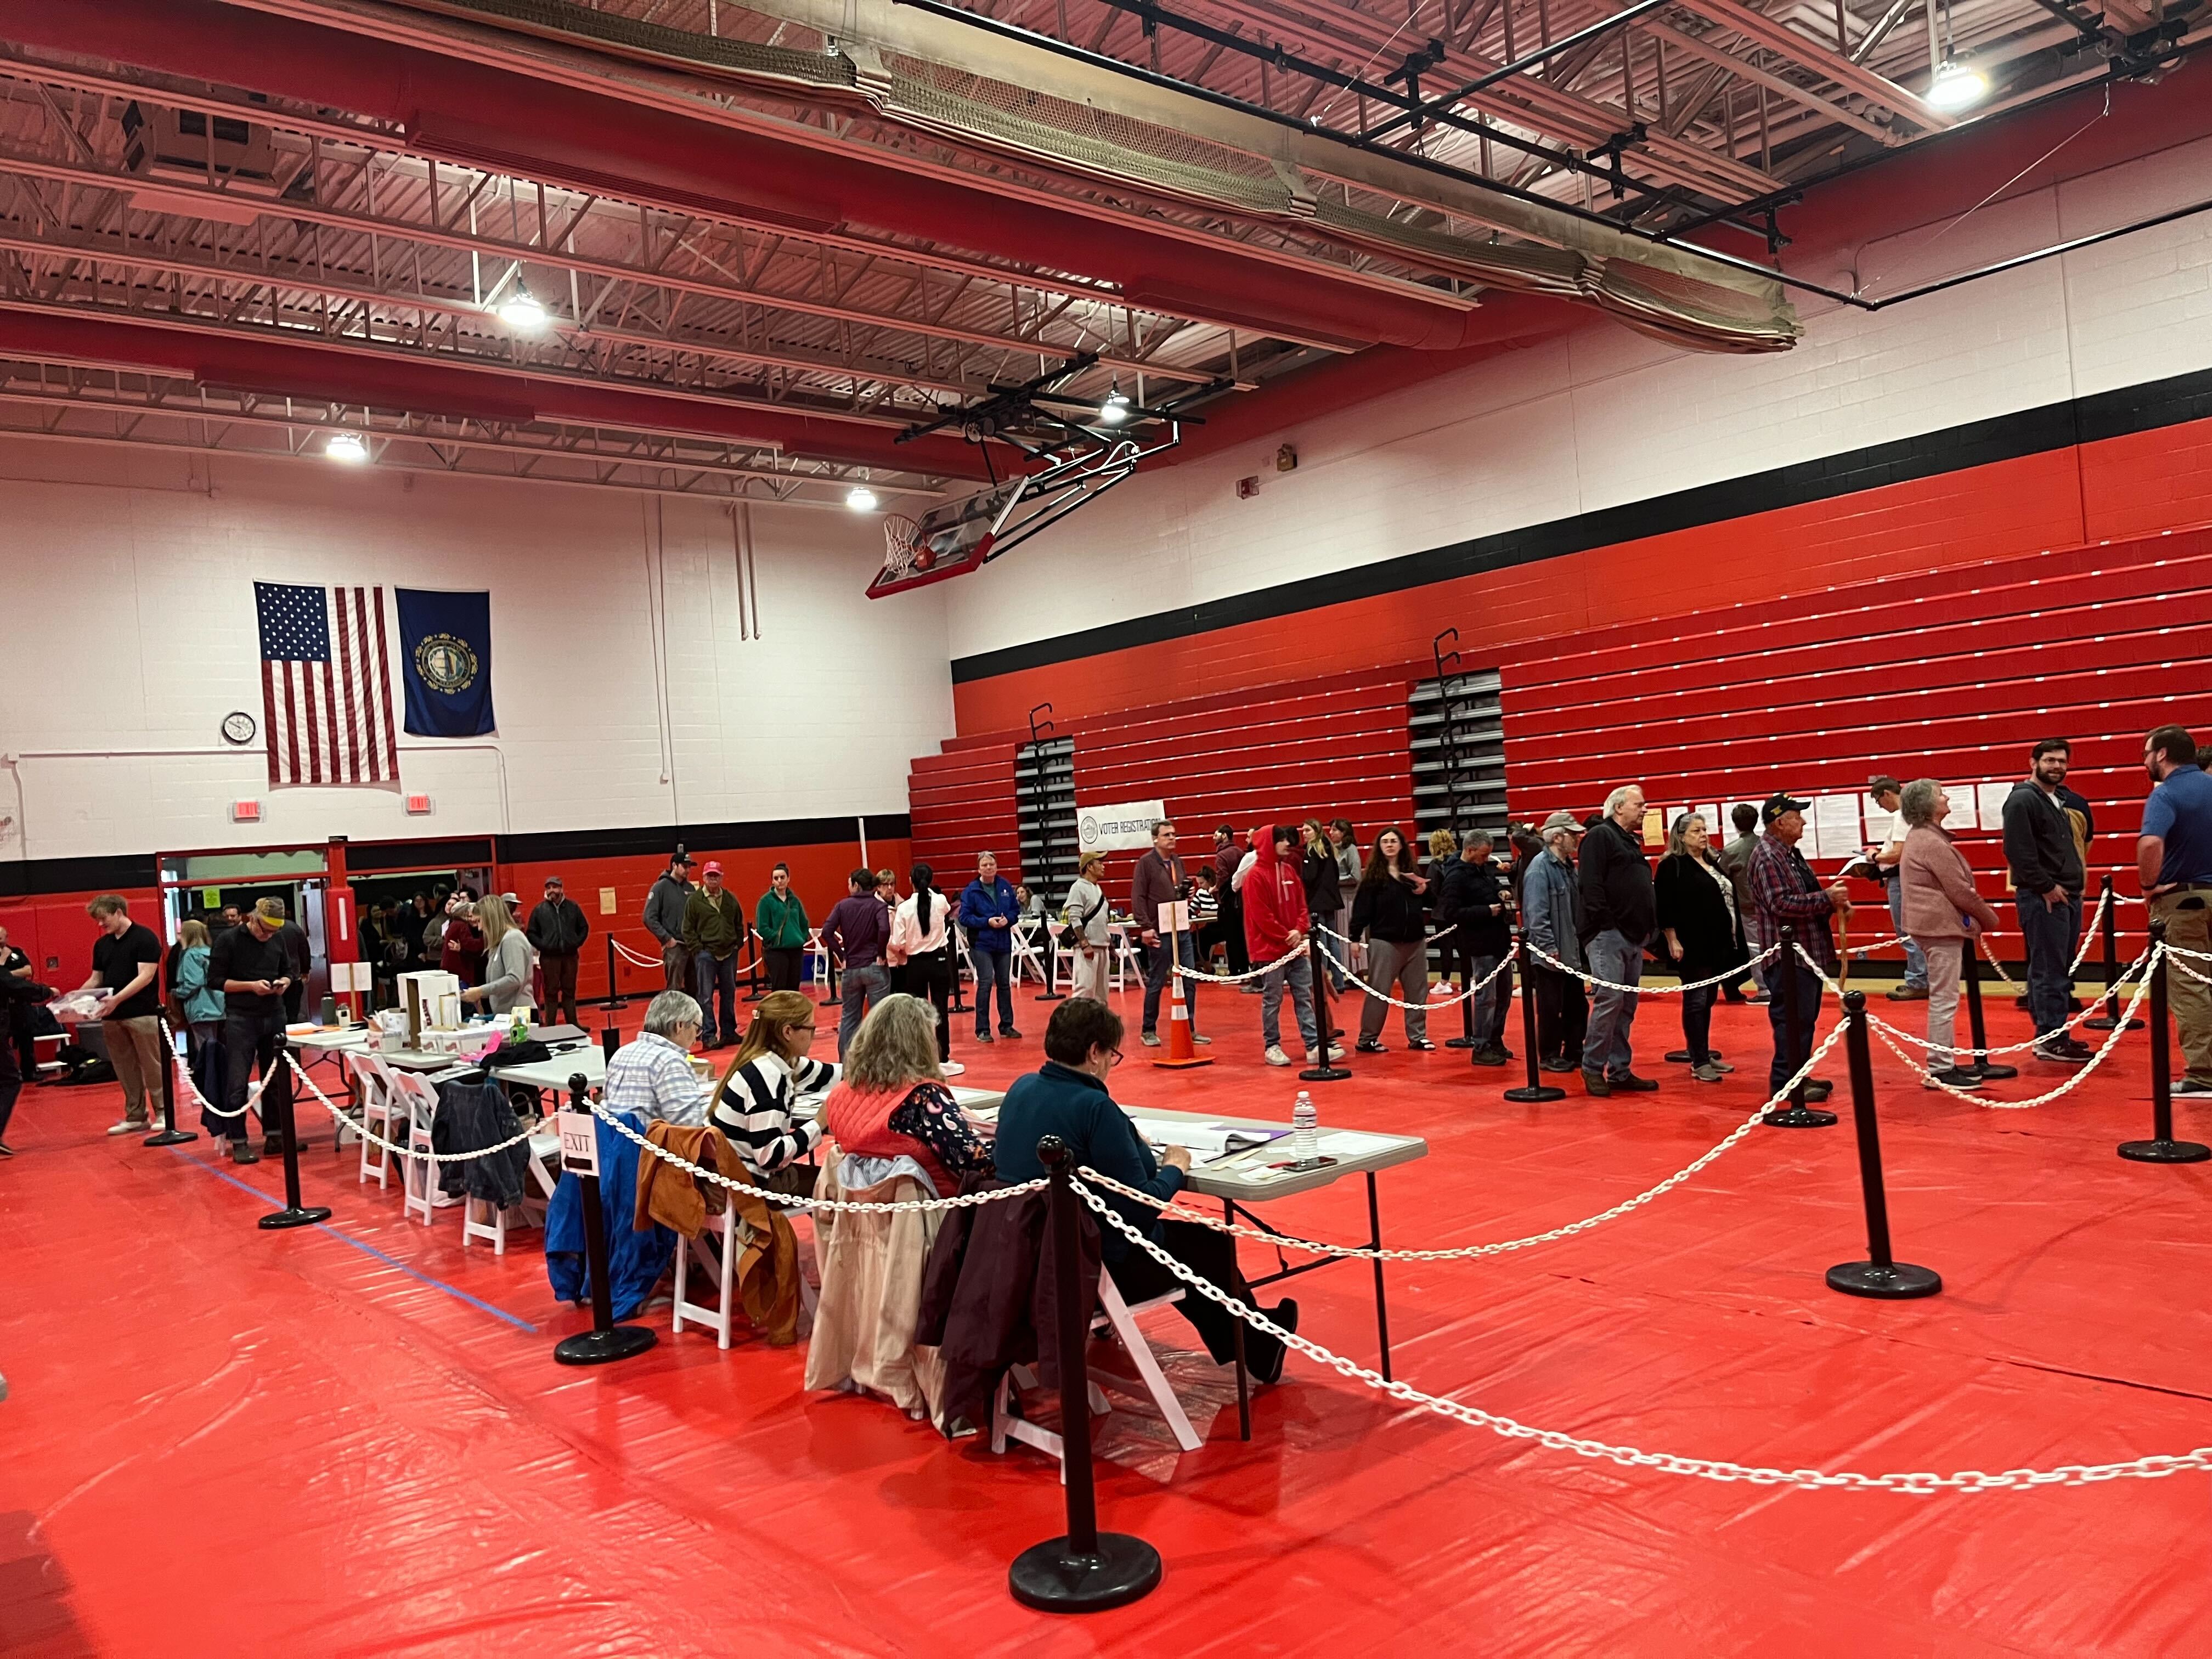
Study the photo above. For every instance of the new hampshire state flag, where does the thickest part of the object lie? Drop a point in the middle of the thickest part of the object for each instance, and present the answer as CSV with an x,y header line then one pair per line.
x,y
445,652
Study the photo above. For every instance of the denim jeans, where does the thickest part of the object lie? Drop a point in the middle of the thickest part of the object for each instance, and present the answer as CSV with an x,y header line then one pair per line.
x,y
1613,1013
1698,1022
2052,932
862,990
1156,957
1789,1054
993,967
1298,974
1916,959
716,976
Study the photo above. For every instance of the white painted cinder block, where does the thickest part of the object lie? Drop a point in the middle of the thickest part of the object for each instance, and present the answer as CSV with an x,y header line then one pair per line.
x,y
129,626
1607,417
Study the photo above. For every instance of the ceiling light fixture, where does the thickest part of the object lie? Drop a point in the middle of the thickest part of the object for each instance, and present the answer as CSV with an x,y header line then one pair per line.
x,y
1956,87
521,310
1115,408
860,498
346,446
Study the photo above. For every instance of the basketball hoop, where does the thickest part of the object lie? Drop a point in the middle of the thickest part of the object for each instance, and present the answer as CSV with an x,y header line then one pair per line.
x,y
901,544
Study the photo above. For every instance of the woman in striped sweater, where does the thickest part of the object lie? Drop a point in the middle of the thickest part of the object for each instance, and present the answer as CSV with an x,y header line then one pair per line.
x,y
755,1106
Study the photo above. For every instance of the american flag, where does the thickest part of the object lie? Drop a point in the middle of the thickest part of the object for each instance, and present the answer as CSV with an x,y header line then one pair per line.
x,y
326,721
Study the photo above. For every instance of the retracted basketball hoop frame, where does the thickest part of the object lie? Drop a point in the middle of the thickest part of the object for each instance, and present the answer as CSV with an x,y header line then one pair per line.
x,y
1071,463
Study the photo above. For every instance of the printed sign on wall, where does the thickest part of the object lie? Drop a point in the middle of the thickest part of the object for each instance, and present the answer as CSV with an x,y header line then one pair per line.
x,y
1123,826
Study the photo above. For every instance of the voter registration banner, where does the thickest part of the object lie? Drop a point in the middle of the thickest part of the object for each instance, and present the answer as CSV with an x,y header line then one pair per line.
x,y
1123,826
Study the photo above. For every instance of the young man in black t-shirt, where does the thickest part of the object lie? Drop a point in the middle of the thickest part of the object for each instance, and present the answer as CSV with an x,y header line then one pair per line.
x,y
126,962
252,968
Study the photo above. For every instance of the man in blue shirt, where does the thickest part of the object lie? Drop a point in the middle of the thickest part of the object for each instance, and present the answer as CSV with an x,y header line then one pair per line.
x,y
1067,1097
2174,859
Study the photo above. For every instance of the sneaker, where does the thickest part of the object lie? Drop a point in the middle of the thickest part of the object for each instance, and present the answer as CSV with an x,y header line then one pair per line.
x,y
982,1037
953,1068
1682,1056
241,1151
129,1126
1422,1045
2180,1085
1009,1032
1335,1051
1818,1088
6,1151
1559,1067
1370,1046
1487,1056
1251,988
1759,996
1633,1084
2075,1046
1151,1039
1202,1041
1275,1056
2061,1053
1707,1073
1909,994
1953,1078
1596,1083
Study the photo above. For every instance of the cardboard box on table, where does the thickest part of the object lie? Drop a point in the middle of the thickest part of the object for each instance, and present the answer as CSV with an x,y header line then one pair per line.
x,y
432,999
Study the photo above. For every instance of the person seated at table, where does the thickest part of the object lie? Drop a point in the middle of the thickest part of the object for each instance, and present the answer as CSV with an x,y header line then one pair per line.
x,y
1067,1097
653,1076
891,1100
755,1105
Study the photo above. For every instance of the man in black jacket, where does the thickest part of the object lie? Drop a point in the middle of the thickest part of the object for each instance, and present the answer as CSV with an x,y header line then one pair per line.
x,y
557,930
1620,911
2046,875
1473,902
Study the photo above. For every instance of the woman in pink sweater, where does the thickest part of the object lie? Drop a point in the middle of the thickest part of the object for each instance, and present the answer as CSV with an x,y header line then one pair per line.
x,y
1939,907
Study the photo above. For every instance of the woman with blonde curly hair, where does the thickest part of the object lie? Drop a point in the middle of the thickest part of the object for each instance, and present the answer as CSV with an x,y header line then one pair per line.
x,y
892,1101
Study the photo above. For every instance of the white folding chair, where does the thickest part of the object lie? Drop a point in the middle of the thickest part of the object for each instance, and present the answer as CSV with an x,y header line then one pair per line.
x,y
1063,959
1027,958
418,1176
723,1264
1125,958
1115,1316
381,1115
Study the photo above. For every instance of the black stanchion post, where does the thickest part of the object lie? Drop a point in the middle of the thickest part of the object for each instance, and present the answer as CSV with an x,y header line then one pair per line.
x,y
754,991
615,997
1323,1070
2110,1018
278,1081
605,1340
1880,1276
959,1003
1970,973
1534,1091
1797,1114
169,1134
1466,1037
2161,1147
1051,950
610,1040
1083,1570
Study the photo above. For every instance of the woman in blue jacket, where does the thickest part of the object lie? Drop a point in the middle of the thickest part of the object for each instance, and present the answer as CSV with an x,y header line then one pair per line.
x,y
988,910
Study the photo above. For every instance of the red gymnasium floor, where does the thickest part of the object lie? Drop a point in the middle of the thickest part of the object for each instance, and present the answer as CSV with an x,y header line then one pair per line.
x,y
354,1442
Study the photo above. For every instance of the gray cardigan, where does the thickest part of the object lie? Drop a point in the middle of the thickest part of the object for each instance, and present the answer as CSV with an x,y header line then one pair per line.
x,y
507,974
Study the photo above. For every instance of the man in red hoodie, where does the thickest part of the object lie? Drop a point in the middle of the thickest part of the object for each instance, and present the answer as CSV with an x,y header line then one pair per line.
x,y
1274,926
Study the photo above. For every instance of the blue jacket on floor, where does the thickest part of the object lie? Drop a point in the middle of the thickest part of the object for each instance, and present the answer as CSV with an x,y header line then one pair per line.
x,y
635,1261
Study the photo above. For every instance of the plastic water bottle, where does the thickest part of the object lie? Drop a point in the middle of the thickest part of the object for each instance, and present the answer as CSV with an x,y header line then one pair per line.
x,y
1305,1146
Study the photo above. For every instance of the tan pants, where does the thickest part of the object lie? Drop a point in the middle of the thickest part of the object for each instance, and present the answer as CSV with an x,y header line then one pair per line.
x,y
134,1049
1942,956
2188,918
1094,967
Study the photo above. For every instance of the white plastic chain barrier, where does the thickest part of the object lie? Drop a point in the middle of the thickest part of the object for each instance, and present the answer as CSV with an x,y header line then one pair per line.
x,y
1470,1251
2071,1084
957,1201
1435,1002
371,1136
184,1080
1204,978
1728,978
2095,1007
1707,1468
632,957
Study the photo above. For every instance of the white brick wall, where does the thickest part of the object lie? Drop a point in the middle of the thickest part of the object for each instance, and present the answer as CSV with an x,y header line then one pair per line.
x,y
1605,417
128,623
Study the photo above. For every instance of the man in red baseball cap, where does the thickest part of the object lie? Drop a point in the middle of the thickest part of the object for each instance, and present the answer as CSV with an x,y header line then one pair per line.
x,y
713,931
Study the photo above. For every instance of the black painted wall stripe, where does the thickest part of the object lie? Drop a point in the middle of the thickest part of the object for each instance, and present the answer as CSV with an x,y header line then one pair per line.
x,y
1979,443
23,879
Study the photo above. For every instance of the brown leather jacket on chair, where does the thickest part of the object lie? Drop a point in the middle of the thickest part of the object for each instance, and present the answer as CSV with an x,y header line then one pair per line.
x,y
767,1261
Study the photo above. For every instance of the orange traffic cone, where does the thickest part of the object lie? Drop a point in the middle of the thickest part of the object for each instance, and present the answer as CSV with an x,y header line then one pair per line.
x,y
1181,1051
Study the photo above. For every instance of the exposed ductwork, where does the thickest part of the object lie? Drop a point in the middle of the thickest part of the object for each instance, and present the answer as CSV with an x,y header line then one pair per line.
x,y
427,385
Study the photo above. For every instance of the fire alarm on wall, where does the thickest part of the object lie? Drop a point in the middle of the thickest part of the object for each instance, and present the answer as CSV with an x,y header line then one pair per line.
x,y
418,805
1247,488
246,812
1287,460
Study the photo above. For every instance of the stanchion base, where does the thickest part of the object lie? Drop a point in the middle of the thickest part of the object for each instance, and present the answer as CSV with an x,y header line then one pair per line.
x,y
1991,1073
2165,1151
1799,1117
1534,1094
170,1138
305,1218
598,1347
1323,1072
1048,1578
1898,1282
